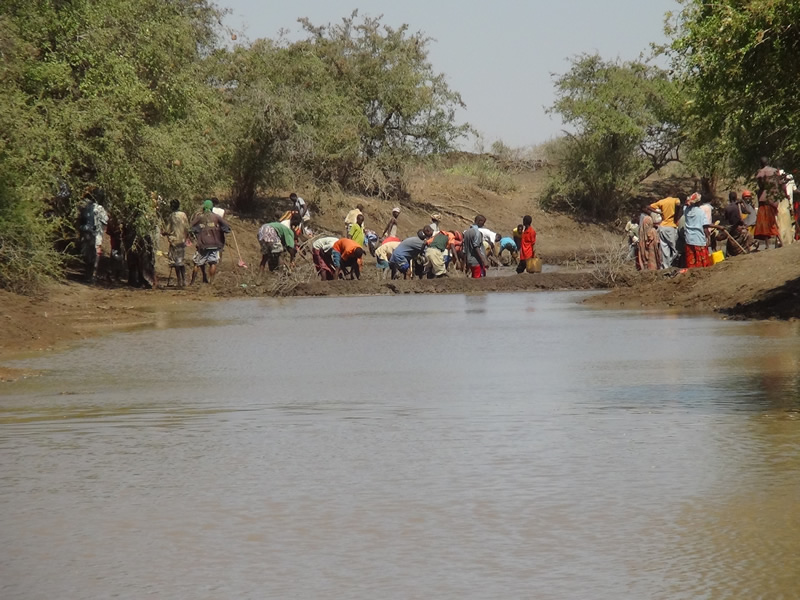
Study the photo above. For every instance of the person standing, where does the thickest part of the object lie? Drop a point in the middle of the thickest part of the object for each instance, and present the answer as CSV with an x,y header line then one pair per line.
x,y
352,218
301,208
648,256
527,243
177,233
357,231
209,229
390,231
696,225
474,255
217,210
92,225
669,209
769,195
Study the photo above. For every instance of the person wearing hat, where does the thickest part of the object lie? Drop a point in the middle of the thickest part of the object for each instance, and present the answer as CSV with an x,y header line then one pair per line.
x,y
391,226
209,229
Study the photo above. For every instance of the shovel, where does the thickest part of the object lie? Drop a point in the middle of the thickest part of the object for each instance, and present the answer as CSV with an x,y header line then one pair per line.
x,y
242,264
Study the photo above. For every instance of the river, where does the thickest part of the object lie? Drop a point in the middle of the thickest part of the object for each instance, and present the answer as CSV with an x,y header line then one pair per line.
x,y
488,446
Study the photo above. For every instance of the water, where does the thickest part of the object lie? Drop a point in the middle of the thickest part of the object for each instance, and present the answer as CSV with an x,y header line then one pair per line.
x,y
498,446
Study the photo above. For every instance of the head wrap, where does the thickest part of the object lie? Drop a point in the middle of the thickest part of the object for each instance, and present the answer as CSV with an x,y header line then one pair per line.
x,y
396,209
207,206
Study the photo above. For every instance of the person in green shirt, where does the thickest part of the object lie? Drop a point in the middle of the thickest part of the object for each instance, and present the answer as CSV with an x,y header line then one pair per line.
x,y
434,256
274,238
356,232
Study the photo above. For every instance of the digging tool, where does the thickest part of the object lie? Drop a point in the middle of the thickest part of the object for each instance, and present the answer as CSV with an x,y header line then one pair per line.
x,y
242,264
737,244
731,238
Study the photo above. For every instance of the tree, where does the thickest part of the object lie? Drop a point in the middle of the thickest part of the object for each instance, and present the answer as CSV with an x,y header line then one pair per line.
x,y
351,103
625,129
106,93
740,65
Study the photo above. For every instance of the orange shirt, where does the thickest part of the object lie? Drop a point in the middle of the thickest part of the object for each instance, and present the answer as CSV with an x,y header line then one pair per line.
x,y
346,248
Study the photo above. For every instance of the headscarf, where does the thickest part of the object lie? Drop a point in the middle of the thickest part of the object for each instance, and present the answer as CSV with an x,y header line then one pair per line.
x,y
207,206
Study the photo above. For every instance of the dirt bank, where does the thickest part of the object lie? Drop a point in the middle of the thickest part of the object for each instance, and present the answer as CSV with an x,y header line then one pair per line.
x,y
449,285
72,311
759,286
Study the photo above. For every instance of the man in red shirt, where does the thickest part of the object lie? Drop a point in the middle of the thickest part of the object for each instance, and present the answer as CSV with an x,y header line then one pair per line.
x,y
527,247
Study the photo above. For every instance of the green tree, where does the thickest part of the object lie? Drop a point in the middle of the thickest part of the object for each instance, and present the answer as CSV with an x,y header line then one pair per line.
x,y
352,103
740,65
107,93
625,129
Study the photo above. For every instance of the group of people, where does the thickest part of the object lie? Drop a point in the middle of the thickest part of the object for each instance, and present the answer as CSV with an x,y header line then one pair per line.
x,y
682,231
430,253
137,251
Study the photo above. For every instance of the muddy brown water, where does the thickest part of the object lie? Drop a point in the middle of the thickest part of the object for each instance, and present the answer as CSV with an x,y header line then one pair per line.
x,y
494,446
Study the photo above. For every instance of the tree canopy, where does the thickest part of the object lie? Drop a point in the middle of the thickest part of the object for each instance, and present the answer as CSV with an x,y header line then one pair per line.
x,y
135,96
740,65
624,117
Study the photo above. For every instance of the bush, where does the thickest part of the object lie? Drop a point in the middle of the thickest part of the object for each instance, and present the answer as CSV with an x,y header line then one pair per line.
x,y
489,174
27,256
611,266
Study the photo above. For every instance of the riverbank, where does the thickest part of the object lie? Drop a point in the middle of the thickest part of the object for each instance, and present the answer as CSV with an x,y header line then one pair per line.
x,y
762,285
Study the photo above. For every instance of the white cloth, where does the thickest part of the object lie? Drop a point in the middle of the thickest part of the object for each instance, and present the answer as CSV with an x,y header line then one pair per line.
x,y
218,211
302,209
324,244
100,222
488,235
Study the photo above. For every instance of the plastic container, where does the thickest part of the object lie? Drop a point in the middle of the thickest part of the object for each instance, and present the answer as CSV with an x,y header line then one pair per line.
x,y
717,257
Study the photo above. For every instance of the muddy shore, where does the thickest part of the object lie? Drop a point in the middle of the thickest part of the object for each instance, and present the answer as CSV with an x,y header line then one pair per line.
x,y
72,311
764,285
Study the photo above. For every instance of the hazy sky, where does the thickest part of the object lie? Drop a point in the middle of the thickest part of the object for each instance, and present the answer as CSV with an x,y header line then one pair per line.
x,y
499,54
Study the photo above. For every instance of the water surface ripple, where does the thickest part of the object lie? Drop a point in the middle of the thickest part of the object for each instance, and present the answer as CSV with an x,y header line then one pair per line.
x,y
498,446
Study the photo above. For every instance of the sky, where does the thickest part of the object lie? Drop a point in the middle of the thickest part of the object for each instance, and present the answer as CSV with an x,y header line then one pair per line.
x,y
500,55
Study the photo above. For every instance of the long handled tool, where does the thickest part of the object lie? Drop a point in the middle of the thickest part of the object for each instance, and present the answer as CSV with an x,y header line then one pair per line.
x,y
241,262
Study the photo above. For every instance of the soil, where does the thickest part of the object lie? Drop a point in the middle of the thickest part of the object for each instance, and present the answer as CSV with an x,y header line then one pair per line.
x,y
761,285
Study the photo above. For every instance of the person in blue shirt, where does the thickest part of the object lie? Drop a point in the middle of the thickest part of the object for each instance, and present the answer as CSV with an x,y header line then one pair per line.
x,y
407,251
509,244
696,226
